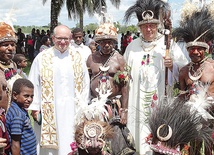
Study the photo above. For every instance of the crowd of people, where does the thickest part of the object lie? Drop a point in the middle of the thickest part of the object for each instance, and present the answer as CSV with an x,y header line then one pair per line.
x,y
31,44
86,97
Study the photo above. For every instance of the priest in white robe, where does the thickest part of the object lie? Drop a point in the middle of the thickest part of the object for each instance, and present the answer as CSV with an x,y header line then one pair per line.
x,y
58,74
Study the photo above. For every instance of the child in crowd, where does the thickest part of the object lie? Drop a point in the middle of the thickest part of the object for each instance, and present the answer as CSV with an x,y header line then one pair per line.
x,y
21,63
46,43
93,48
21,133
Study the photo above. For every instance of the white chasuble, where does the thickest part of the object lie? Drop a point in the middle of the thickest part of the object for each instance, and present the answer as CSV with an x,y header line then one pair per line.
x,y
56,77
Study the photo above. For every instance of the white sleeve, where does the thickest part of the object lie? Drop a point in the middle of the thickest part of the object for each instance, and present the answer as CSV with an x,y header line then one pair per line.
x,y
34,77
173,75
180,59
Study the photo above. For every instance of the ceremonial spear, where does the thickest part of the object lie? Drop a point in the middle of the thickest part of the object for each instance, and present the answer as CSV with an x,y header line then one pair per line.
x,y
167,24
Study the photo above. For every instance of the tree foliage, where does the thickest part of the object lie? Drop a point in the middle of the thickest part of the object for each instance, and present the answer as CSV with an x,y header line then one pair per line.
x,y
91,27
56,6
76,9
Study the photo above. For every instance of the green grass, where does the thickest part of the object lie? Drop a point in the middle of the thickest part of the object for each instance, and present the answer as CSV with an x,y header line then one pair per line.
x,y
27,69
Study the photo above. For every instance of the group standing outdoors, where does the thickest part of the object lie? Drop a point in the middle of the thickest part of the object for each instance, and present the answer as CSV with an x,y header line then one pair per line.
x,y
136,84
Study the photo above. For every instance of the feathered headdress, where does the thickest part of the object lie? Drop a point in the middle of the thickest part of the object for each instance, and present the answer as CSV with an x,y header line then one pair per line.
x,y
148,11
106,29
7,33
96,109
175,124
196,26
90,123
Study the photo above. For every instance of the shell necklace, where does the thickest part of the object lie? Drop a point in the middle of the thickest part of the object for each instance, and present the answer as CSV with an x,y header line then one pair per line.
x,y
103,68
198,73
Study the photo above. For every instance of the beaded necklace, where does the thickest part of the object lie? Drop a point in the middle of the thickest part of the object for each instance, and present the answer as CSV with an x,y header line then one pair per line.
x,y
198,73
3,63
8,70
194,89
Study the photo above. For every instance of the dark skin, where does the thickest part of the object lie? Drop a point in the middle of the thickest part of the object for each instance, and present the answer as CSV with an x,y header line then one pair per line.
x,y
3,104
197,54
78,37
16,143
115,63
7,51
23,100
3,92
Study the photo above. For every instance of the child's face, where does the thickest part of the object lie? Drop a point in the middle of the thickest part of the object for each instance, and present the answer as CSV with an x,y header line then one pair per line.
x,y
93,49
23,63
24,98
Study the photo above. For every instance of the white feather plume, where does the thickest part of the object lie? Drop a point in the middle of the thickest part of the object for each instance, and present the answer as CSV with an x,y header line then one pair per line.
x,y
100,17
187,9
200,103
9,18
95,109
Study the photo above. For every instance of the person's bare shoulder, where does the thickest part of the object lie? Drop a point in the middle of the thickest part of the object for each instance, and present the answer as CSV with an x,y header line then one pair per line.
x,y
88,62
210,61
120,58
184,70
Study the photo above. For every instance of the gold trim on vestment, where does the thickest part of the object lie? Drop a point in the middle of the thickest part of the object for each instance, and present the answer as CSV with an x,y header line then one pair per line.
x,y
49,136
78,71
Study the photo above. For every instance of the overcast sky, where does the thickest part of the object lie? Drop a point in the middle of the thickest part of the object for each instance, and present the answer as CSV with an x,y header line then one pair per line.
x,y
33,12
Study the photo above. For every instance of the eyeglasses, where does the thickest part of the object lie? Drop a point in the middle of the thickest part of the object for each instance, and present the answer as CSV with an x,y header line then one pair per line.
x,y
151,26
60,38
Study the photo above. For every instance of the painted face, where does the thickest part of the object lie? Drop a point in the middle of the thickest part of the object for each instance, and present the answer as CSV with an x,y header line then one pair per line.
x,y
196,53
78,37
149,31
7,51
106,46
25,97
62,38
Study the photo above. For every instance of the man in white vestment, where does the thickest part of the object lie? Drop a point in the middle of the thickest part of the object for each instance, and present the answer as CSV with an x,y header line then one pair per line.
x,y
57,74
78,45
148,59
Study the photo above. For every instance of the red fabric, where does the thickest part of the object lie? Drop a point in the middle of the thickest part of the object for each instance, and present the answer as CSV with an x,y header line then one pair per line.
x,y
30,42
4,134
127,40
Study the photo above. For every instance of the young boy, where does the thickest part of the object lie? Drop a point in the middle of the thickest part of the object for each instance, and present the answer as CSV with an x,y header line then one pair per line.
x,y
22,136
21,63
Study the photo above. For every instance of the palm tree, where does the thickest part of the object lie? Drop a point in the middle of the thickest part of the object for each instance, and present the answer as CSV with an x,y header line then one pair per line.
x,y
77,8
56,6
